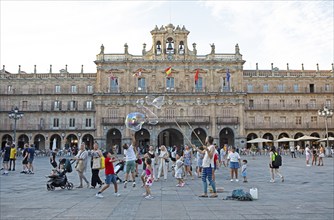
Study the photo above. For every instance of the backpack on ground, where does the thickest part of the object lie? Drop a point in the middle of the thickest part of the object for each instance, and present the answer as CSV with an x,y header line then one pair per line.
x,y
277,161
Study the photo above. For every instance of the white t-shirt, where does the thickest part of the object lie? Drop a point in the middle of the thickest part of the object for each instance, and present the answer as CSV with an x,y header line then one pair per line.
x,y
206,160
233,157
130,154
307,151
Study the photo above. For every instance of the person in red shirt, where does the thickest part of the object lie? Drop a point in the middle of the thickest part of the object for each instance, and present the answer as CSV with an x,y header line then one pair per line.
x,y
110,174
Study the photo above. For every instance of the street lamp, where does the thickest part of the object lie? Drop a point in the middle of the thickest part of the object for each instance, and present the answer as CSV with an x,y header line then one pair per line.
x,y
326,113
16,115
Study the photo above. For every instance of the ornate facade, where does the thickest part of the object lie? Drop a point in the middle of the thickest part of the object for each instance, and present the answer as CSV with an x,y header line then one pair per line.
x,y
221,99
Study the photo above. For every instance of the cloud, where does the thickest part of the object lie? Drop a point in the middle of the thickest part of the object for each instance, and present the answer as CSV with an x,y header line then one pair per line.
x,y
280,32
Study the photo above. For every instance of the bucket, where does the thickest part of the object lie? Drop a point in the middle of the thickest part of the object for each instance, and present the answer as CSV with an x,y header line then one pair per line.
x,y
254,193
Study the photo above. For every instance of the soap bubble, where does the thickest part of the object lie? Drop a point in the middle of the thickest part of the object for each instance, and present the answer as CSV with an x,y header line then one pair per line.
x,y
149,99
158,102
134,121
140,103
151,117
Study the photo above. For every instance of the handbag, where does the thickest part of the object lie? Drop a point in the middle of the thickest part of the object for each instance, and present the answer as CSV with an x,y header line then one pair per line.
x,y
103,165
80,166
96,163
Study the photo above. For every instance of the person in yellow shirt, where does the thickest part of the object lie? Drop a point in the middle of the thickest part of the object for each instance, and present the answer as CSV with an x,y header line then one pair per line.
x,y
12,157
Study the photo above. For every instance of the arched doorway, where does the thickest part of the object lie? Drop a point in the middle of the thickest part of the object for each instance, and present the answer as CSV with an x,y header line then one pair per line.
x,y
4,140
170,137
88,139
55,139
72,140
330,134
250,136
197,136
226,136
282,135
143,138
267,145
114,137
300,143
39,141
22,140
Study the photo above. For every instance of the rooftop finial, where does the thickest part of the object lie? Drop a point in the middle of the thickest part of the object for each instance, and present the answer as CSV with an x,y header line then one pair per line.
x,y
19,68
50,68
302,66
81,68
35,70
317,67
257,66
287,66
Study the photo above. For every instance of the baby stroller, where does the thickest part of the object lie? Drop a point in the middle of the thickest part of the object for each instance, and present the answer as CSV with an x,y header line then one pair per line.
x,y
59,178
118,168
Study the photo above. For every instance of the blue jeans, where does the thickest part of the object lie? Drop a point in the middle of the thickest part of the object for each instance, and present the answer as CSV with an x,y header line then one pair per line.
x,y
207,173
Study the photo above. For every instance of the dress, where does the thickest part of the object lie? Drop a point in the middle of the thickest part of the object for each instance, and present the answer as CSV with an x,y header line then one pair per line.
x,y
149,179
187,158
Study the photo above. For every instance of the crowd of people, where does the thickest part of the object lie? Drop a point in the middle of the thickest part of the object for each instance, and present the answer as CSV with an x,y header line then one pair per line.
x,y
157,163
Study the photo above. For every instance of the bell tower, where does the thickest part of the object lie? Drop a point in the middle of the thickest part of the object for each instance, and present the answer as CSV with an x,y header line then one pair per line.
x,y
169,43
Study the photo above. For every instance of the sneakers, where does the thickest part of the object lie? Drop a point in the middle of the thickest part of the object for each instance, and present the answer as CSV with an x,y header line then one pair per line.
x,y
231,180
149,197
117,194
236,180
99,195
282,179
272,181
308,165
182,184
134,184
144,194
125,183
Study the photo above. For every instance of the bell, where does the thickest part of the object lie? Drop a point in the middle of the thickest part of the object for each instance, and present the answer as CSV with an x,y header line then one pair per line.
x,y
158,47
181,47
170,47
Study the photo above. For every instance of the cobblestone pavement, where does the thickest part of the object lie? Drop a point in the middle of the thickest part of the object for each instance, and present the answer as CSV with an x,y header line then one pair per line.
x,y
307,193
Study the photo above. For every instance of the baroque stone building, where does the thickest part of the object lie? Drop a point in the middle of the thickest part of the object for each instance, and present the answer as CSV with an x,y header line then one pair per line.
x,y
204,95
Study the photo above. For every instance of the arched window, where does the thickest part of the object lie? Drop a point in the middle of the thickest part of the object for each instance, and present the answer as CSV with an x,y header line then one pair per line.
x,y
181,48
170,45
158,48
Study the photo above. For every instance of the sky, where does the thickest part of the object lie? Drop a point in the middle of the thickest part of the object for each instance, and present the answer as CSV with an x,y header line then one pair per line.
x,y
71,32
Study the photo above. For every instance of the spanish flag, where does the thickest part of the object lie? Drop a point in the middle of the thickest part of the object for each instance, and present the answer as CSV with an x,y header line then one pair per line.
x,y
168,71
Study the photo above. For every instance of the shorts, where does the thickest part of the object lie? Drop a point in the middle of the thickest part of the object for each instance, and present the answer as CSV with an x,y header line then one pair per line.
x,y
234,165
244,173
25,161
130,166
111,178
307,157
30,160
5,161
322,155
143,173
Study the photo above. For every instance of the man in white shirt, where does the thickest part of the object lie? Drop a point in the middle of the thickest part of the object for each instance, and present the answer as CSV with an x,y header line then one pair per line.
x,y
130,153
208,165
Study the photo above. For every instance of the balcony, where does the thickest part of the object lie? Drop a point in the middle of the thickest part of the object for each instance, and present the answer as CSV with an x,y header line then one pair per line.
x,y
44,127
204,120
288,125
113,121
275,107
47,108
227,120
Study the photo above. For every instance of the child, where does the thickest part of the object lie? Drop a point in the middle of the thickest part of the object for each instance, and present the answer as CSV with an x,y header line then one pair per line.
x,y
244,170
110,174
233,159
179,170
143,174
148,178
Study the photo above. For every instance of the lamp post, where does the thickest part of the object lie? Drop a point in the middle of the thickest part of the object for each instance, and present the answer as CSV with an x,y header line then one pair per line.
x,y
16,115
326,113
